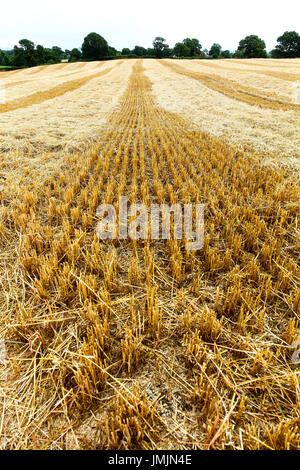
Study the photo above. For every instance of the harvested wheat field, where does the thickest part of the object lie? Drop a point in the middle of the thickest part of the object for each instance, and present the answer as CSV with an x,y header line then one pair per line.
x,y
144,344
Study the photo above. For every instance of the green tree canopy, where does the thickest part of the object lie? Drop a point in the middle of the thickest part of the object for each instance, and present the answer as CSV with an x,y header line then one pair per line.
x,y
181,50
40,54
75,54
239,54
226,54
252,47
125,51
94,47
288,45
194,46
139,51
160,47
25,53
112,51
58,51
4,58
67,53
215,51
51,57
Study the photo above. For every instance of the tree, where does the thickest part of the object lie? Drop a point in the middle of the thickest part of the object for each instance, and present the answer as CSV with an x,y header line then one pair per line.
x,y
194,46
181,50
4,58
67,54
40,54
168,52
226,54
288,45
94,47
253,47
139,51
58,51
160,47
239,54
125,51
75,54
215,51
25,53
51,56
112,51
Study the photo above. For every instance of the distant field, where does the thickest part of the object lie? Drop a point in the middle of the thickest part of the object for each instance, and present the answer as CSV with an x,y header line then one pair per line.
x,y
143,344
244,101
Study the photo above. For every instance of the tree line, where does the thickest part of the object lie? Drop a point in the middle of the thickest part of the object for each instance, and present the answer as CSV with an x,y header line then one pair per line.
x,y
95,47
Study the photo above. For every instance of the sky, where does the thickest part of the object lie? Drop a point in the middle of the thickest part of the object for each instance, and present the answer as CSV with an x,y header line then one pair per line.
x,y
126,23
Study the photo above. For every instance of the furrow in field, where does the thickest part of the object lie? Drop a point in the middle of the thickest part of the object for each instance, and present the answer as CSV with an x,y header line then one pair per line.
x,y
46,80
290,77
59,90
270,63
272,132
233,89
266,85
66,121
223,66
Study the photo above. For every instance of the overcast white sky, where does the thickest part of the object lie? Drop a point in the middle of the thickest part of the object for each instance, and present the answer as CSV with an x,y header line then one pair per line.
x,y
126,23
